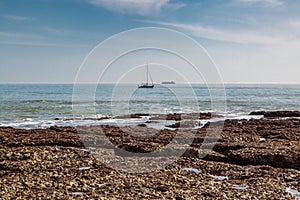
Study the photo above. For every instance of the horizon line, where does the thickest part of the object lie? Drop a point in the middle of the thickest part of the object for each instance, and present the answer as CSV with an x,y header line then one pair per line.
x,y
182,83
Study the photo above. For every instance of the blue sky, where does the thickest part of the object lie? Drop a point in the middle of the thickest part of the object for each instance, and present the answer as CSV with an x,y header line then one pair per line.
x,y
249,40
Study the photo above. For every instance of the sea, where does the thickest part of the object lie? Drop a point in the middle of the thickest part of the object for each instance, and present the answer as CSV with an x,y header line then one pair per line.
x,y
31,106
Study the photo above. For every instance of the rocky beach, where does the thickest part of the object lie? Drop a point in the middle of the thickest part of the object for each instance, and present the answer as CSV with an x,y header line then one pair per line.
x,y
254,158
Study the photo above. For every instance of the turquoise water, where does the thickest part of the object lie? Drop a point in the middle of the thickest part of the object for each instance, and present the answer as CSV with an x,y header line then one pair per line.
x,y
37,105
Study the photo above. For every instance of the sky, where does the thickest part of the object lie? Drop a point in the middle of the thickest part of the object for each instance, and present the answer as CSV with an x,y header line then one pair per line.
x,y
250,41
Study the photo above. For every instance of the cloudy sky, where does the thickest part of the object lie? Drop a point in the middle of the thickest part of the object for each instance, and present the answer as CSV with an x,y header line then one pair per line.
x,y
251,41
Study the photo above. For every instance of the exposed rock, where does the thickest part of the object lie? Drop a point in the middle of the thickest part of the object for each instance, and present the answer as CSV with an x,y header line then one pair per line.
x,y
276,114
43,163
282,114
176,125
183,116
258,113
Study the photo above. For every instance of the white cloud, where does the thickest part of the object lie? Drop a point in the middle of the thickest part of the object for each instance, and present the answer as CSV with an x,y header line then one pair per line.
x,y
42,44
175,6
10,34
235,36
265,3
17,18
264,54
31,39
4,34
56,31
140,7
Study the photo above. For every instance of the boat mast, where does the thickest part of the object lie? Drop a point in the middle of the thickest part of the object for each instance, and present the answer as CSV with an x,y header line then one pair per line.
x,y
147,73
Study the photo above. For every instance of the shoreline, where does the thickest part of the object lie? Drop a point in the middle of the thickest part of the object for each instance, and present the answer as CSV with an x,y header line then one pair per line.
x,y
160,120
253,158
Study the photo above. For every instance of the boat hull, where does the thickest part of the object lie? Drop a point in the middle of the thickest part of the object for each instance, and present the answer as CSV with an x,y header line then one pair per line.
x,y
146,86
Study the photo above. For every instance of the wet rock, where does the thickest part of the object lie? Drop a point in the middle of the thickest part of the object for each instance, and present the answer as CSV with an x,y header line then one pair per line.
x,y
183,116
174,116
282,114
284,159
142,125
185,124
137,115
258,113
176,125
63,129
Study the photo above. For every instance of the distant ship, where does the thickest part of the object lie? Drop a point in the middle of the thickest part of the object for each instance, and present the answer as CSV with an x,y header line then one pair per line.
x,y
168,82
147,85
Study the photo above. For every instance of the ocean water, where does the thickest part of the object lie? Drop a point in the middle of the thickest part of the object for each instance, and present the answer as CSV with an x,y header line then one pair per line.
x,y
44,105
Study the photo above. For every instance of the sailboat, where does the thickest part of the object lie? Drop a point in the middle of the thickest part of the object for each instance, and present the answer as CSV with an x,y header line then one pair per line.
x,y
147,85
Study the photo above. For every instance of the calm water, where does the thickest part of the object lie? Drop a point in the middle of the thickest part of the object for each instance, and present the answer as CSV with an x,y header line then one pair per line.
x,y
37,105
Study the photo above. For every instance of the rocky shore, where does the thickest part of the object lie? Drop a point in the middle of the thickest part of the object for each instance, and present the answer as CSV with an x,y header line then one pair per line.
x,y
251,159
